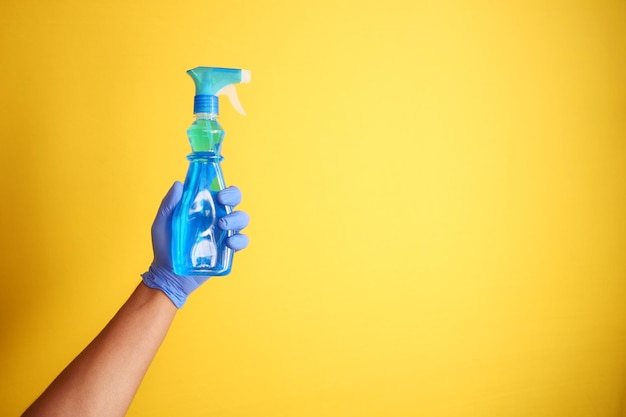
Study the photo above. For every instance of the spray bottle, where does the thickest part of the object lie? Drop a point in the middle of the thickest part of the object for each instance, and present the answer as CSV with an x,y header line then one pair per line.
x,y
198,244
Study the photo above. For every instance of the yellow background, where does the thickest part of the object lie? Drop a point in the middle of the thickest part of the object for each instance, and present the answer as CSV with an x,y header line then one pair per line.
x,y
437,193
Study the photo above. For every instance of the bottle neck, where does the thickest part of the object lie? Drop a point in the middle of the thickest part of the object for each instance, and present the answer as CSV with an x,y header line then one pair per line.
x,y
204,157
205,116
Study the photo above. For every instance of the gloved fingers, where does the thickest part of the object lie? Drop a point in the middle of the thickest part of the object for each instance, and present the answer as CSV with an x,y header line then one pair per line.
x,y
237,242
237,220
230,196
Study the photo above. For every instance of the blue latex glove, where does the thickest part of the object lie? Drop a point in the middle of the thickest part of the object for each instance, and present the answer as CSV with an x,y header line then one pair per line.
x,y
160,275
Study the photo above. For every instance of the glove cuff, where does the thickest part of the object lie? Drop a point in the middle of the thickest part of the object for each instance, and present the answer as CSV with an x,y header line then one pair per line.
x,y
169,283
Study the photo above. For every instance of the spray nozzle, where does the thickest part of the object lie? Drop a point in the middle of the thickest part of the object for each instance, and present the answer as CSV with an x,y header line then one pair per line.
x,y
211,82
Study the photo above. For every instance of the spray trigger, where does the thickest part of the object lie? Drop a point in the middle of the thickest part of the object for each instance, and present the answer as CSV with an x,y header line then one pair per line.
x,y
231,92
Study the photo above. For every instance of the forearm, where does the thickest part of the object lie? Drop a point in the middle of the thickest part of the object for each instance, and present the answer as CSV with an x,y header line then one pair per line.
x,y
104,378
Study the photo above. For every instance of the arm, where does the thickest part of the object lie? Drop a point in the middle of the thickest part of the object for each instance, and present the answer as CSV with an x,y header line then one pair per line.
x,y
104,378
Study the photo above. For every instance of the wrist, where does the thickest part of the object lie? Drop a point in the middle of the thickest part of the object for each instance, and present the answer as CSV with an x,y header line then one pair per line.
x,y
154,296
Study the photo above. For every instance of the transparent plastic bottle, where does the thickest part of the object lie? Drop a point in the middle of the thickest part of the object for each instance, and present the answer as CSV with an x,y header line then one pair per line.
x,y
198,244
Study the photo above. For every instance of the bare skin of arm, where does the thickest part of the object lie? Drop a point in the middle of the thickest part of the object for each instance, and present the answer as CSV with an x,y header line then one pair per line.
x,y
104,378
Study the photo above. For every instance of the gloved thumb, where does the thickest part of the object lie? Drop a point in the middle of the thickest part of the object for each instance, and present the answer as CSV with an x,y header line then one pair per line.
x,y
161,228
168,204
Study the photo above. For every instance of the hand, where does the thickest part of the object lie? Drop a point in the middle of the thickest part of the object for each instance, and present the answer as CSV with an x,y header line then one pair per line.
x,y
160,275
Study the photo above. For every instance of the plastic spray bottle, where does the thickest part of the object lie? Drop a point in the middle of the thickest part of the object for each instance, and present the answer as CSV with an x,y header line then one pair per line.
x,y
198,244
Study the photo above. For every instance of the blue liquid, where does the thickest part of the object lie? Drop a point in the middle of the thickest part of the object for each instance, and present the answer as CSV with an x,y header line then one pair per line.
x,y
198,244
